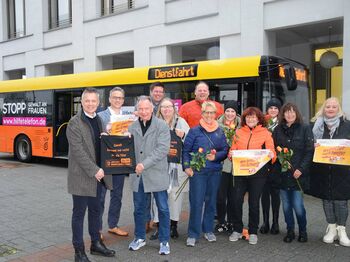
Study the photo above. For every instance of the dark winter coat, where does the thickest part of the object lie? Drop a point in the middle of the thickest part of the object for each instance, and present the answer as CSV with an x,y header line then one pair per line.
x,y
332,182
299,138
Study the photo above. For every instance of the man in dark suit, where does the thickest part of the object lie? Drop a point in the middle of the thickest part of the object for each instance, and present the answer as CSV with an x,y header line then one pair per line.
x,y
85,177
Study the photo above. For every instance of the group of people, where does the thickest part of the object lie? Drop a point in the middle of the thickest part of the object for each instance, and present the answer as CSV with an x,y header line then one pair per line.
x,y
205,127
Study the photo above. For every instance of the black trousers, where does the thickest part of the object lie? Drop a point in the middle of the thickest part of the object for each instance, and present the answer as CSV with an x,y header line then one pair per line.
x,y
254,186
225,199
80,203
271,194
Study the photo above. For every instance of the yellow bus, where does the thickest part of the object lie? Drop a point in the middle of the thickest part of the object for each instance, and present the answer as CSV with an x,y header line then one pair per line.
x,y
34,112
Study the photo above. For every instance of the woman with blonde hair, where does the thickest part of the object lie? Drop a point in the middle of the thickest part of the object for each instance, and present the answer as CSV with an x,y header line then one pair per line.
x,y
179,126
329,182
208,139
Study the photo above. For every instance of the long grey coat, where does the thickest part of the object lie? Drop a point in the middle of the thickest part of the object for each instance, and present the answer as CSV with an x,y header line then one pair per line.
x,y
82,165
151,150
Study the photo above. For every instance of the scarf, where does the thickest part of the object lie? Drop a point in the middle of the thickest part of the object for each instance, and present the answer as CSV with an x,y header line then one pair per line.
x,y
209,127
332,124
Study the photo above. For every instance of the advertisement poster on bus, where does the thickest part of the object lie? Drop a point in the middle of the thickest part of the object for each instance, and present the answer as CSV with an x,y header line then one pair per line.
x,y
24,114
249,162
332,151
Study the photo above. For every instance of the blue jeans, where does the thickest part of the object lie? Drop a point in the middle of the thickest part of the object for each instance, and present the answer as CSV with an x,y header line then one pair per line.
x,y
80,203
203,189
115,203
141,199
293,200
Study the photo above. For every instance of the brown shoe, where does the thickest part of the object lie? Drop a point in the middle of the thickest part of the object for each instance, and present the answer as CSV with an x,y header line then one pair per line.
x,y
148,227
118,231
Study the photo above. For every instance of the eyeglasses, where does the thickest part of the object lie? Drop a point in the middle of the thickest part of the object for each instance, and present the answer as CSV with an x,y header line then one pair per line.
x,y
117,98
209,112
167,107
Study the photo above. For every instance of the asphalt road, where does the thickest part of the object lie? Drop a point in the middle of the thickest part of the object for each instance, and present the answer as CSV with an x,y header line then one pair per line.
x,y
35,213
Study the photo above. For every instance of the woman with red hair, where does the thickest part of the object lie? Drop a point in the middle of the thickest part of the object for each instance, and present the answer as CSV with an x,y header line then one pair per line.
x,y
252,135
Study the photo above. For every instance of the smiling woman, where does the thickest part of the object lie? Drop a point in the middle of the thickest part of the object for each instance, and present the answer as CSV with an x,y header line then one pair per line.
x,y
252,135
331,183
204,183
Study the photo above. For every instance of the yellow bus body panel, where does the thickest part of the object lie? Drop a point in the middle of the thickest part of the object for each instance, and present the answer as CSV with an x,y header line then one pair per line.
x,y
213,69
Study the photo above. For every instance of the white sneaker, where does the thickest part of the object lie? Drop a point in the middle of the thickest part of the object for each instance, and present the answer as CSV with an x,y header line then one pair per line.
x,y
210,237
235,236
331,234
253,239
343,237
136,244
164,248
191,242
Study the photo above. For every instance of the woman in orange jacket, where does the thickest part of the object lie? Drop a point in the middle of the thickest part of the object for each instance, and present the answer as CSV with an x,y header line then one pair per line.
x,y
252,135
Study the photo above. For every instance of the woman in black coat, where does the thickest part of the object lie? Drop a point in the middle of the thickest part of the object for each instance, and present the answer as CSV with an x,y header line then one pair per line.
x,y
291,133
330,182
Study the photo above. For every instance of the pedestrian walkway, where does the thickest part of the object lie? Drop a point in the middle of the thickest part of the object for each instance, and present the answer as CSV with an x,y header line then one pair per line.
x,y
35,214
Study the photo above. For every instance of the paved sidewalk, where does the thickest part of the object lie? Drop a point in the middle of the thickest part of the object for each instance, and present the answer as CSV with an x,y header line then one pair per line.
x,y
35,212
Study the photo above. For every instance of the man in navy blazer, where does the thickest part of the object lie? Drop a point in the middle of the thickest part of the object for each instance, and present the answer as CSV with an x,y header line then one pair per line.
x,y
116,100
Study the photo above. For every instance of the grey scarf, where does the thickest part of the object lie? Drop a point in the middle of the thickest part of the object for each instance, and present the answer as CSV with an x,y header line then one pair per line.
x,y
332,124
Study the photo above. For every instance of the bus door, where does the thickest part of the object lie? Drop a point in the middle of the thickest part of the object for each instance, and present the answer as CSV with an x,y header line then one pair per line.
x,y
66,104
242,91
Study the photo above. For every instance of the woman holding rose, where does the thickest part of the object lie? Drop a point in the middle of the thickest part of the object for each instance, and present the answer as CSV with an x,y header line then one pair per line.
x,y
294,136
331,183
208,140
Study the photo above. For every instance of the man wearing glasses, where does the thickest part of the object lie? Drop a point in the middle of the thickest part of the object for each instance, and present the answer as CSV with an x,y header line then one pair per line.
x,y
116,100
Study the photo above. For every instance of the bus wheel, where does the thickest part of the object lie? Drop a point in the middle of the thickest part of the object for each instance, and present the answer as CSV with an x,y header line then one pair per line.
x,y
23,149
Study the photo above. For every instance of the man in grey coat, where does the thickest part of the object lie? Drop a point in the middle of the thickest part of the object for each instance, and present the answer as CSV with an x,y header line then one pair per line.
x,y
116,100
85,177
152,143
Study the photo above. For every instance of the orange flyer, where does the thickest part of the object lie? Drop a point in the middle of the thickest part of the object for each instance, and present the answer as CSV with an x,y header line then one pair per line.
x,y
248,162
332,151
120,124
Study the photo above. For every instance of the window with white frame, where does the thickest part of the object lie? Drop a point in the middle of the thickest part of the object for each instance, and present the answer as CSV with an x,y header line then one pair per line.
x,y
115,6
15,18
60,13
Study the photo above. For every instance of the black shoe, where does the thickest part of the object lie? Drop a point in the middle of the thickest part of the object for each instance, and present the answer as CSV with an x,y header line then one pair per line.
x,y
98,248
275,229
302,237
220,228
154,236
265,228
289,237
229,227
173,231
80,256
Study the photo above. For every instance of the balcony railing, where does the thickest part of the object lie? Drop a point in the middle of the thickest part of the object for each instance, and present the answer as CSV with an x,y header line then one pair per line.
x,y
60,23
123,6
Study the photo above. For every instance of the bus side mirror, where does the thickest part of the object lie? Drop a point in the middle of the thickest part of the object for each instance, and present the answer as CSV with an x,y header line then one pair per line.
x,y
290,77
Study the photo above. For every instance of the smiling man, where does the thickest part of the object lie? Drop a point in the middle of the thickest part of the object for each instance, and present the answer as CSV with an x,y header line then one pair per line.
x,y
156,92
191,111
116,100
152,143
85,176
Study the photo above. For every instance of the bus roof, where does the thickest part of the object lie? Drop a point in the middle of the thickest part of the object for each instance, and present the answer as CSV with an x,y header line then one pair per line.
x,y
213,69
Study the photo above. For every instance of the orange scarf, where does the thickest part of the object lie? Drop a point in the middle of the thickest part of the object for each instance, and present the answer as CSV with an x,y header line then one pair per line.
x,y
209,127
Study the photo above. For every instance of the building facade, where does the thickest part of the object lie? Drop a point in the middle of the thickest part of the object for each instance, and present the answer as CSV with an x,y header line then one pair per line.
x,y
51,37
